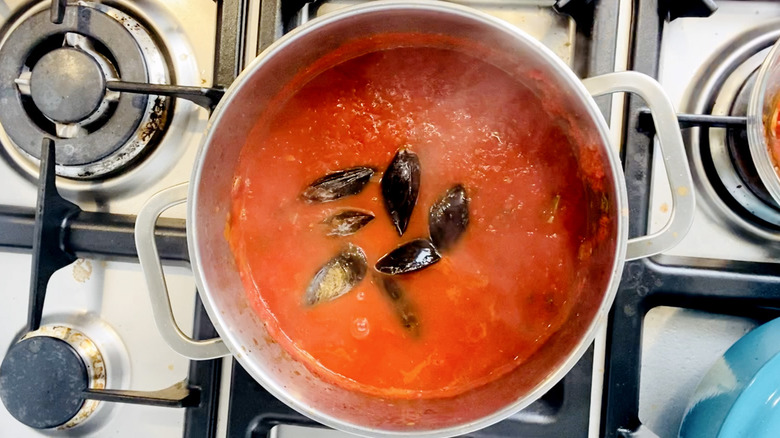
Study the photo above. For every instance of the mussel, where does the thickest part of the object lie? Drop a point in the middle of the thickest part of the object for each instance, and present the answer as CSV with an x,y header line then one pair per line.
x,y
402,306
338,184
347,222
338,276
448,218
409,257
400,186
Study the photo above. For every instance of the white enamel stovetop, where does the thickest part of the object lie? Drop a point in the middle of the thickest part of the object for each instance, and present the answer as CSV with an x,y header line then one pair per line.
x,y
112,291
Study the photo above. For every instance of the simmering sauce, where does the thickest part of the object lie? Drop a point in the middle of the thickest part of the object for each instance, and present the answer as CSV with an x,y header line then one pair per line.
x,y
494,297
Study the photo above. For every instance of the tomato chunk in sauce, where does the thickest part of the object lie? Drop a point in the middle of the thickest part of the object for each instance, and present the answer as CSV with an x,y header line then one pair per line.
x,y
495,296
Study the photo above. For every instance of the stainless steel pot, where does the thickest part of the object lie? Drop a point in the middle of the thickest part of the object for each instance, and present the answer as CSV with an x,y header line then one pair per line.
x,y
243,334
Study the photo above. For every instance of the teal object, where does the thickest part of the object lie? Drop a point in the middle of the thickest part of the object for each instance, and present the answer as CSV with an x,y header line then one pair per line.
x,y
740,395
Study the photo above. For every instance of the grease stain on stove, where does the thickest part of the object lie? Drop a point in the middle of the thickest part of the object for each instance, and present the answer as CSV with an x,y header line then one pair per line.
x,y
82,270
170,367
156,120
664,207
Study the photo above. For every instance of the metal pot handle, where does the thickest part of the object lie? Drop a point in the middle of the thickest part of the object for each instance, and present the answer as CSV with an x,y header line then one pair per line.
x,y
155,279
673,150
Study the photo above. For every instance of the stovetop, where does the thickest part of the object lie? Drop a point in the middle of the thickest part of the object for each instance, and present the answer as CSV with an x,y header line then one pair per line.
x,y
695,56
679,345
691,302
102,293
677,312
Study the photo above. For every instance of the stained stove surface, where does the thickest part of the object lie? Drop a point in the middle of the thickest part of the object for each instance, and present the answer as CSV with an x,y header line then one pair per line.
x,y
108,300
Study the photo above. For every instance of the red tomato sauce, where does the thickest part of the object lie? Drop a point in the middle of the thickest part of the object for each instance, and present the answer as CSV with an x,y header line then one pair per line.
x,y
493,299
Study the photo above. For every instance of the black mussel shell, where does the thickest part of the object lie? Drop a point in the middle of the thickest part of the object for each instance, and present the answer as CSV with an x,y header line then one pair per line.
x,y
409,257
402,306
338,184
347,222
338,276
449,218
400,186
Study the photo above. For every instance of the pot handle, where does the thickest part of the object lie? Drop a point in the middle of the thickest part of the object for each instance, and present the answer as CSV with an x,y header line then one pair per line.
x,y
670,140
155,279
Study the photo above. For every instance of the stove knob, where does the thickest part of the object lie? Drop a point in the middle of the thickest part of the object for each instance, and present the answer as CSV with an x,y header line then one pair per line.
x,y
44,375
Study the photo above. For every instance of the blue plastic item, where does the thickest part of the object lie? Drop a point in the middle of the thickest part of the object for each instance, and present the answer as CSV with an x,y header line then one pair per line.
x,y
740,395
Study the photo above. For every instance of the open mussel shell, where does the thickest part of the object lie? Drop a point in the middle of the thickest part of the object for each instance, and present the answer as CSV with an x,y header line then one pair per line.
x,y
409,257
338,184
338,276
449,218
347,222
400,187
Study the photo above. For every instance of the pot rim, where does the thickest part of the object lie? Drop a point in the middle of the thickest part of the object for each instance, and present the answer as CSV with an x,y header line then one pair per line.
x,y
234,92
757,130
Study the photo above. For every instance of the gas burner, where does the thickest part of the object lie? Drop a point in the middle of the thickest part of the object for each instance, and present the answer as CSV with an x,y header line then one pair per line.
x,y
44,376
53,83
721,160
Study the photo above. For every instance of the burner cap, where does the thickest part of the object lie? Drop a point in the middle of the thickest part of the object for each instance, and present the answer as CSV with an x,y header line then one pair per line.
x,y
67,85
41,382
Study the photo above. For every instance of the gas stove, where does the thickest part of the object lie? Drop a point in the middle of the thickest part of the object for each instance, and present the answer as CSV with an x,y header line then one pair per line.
x,y
140,79
113,151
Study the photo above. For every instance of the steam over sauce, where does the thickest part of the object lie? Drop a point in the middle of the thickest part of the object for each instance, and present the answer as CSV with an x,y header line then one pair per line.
x,y
497,294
